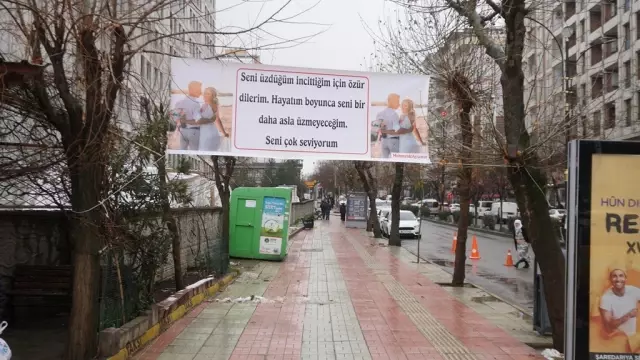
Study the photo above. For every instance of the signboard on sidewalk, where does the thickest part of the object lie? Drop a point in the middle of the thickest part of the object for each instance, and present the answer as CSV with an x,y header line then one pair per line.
x,y
272,225
603,251
222,108
357,211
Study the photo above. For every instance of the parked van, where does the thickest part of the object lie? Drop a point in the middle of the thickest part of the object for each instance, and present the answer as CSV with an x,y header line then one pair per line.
x,y
509,209
484,207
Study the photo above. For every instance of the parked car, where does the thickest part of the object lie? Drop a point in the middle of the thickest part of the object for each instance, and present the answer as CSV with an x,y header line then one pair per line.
x,y
409,224
557,214
508,210
382,212
454,207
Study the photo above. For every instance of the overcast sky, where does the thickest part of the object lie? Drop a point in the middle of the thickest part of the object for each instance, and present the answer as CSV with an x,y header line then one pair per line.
x,y
344,42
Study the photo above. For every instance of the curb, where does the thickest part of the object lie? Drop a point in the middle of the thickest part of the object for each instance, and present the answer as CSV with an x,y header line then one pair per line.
x,y
295,232
467,281
164,323
472,229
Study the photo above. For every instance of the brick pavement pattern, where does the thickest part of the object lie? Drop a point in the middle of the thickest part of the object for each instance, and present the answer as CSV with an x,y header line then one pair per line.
x,y
338,295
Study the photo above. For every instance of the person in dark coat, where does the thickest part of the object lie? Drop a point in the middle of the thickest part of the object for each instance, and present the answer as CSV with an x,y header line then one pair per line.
x,y
521,241
325,207
343,211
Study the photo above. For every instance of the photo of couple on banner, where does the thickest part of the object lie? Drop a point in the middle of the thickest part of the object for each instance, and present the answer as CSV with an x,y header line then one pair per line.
x,y
199,119
397,129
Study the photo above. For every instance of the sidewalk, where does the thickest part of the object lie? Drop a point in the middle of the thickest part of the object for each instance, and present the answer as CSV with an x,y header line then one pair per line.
x,y
338,295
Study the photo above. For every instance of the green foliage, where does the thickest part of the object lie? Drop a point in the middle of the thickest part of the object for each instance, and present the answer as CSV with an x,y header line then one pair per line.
x,y
184,165
413,209
138,241
444,215
489,221
456,217
425,211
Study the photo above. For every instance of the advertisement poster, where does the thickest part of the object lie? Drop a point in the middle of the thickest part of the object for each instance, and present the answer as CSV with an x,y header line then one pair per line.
x,y
221,108
357,207
272,227
614,258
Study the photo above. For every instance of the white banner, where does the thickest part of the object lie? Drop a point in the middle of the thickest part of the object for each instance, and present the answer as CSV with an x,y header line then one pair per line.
x,y
221,108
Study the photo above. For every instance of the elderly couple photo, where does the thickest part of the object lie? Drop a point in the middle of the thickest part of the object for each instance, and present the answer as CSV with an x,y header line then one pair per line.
x,y
397,129
197,116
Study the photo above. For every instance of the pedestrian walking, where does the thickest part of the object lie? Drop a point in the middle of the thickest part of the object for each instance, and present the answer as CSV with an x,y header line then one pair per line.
x,y
324,207
343,211
521,241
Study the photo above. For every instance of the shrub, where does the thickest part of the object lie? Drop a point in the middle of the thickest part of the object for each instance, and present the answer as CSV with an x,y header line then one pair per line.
x,y
456,217
489,221
412,208
444,215
425,211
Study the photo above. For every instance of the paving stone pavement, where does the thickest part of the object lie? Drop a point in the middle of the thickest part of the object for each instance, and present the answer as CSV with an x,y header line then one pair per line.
x,y
337,295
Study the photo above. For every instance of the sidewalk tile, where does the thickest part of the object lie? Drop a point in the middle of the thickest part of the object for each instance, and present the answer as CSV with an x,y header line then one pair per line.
x,y
342,297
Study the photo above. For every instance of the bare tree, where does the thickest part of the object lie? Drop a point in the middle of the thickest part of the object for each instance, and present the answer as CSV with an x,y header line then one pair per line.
x,y
396,195
505,46
370,186
223,171
89,48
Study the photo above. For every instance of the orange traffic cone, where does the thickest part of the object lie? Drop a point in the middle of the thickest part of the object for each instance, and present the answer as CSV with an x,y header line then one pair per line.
x,y
509,260
455,242
475,254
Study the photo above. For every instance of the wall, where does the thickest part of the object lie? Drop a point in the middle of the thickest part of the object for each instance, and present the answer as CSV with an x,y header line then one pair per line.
x,y
301,209
42,238
200,233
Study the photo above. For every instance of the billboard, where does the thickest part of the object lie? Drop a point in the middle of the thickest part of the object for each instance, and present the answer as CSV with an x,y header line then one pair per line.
x,y
222,108
603,259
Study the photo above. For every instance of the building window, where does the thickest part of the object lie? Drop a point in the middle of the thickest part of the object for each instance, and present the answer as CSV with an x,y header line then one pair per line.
x,y
585,126
627,36
627,74
610,116
627,5
627,112
596,123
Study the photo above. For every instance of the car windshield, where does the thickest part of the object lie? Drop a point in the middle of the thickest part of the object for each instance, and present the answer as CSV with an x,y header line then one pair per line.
x,y
561,211
407,215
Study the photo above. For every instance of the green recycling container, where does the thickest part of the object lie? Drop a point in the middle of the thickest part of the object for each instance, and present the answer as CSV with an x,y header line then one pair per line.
x,y
259,222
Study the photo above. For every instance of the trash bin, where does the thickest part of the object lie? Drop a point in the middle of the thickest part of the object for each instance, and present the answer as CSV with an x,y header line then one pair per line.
x,y
541,322
259,223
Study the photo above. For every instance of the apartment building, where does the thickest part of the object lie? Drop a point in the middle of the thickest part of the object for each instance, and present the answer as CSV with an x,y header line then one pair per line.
x,y
170,30
461,50
582,69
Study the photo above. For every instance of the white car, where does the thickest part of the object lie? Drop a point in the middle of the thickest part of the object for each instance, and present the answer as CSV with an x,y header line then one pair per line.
x,y
454,207
382,212
409,224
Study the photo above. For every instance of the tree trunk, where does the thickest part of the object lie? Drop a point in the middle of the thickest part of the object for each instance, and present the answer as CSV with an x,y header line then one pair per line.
x,y
171,224
370,187
524,175
87,178
224,262
167,218
464,184
396,193
223,176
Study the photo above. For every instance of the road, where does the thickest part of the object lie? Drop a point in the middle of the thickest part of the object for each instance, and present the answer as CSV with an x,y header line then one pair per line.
x,y
513,285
